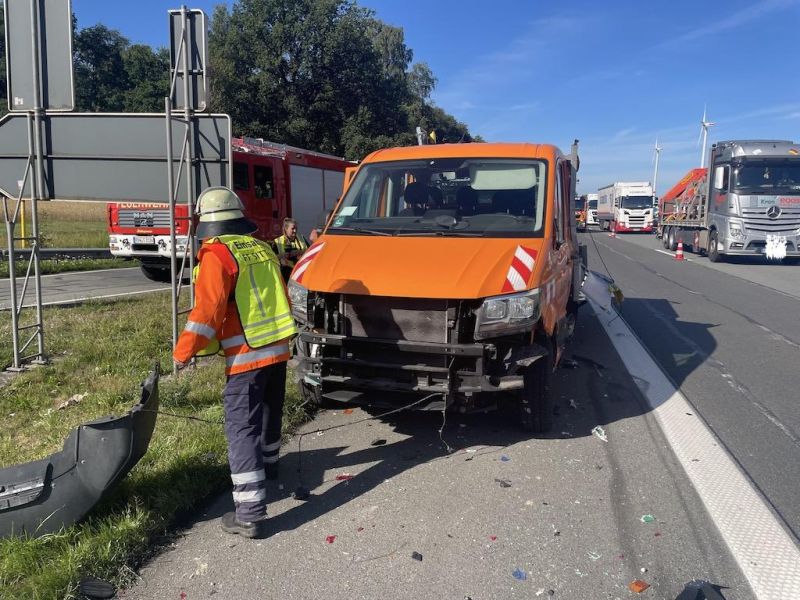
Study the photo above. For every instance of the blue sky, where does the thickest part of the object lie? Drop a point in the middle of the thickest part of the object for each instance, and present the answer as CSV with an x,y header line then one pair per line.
x,y
616,75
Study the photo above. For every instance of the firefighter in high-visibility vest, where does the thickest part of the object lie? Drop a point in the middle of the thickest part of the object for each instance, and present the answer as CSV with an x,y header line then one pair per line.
x,y
289,247
241,308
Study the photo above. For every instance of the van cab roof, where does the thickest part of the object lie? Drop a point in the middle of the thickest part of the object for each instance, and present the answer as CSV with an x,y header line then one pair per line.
x,y
470,150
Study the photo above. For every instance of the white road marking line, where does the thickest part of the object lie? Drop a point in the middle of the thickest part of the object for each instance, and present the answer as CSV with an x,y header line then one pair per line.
x,y
759,544
87,298
671,254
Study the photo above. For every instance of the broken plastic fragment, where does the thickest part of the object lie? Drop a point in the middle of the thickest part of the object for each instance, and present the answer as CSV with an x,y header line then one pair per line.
x,y
520,575
416,556
637,586
344,477
599,432
493,538
572,404
647,518
378,442
505,458
330,539
594,555
504,483
348,411
360,529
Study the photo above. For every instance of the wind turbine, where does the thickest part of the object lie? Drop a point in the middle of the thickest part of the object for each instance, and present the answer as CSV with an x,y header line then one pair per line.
x,y
656,156
704,127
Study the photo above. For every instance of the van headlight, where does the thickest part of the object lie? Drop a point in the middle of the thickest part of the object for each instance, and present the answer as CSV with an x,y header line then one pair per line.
x,y
298,299
507,314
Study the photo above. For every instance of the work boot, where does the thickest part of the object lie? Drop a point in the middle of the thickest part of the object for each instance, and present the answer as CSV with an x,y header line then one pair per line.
x,y
271,471
249,529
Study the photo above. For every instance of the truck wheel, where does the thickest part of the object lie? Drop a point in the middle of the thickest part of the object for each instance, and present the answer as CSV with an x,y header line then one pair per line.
x,y
158,273
672,242
535,402
713,248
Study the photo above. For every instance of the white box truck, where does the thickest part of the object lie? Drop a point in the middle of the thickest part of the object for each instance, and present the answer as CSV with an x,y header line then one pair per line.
x,y
626,206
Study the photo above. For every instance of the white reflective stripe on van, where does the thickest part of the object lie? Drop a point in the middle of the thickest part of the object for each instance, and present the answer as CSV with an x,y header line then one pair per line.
x,y
272,447
254,355
249,477
253,496
200,329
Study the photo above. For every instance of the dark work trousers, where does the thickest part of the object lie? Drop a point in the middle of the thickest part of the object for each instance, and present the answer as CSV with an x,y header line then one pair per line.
x,y
253,411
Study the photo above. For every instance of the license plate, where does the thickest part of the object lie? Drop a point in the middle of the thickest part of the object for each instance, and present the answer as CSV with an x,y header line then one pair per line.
x,y
144,239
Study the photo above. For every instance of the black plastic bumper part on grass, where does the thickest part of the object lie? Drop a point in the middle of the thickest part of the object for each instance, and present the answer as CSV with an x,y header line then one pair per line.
x,y
43,496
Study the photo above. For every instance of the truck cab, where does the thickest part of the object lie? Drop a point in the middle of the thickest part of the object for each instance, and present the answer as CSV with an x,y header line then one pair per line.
x,y
451,273
754,198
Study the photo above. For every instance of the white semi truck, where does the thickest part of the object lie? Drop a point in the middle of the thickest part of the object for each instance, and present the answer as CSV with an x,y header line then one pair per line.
x,y
626,206
746,203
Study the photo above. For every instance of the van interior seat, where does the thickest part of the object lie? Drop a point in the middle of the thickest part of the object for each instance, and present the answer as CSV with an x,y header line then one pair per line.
x,y
466,200
416,199
515,202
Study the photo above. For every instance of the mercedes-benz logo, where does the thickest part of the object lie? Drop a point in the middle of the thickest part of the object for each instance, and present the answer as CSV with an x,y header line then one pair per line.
x,y
773,212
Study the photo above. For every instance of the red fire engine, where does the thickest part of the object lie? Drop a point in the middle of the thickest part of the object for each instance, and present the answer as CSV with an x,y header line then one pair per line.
x,y
274,181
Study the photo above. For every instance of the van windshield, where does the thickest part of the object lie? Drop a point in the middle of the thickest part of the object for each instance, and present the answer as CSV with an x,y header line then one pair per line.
x,y
446,196
637,202
768,177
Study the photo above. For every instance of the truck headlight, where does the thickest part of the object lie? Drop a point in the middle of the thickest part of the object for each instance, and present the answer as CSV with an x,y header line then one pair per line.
x,y
507,314
298,299
736,231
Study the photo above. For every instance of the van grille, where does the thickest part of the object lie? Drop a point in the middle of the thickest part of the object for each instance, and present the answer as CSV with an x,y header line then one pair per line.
x,y
412,319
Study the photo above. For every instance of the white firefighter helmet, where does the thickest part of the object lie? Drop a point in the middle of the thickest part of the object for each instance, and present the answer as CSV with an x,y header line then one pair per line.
x,y
220,211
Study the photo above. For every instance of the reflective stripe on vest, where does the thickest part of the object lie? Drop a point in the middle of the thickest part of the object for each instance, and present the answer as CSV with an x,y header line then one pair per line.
x,y
260,294
281,243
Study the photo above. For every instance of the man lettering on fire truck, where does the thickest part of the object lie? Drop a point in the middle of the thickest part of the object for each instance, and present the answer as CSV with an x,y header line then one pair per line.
x,y
289,247
242,308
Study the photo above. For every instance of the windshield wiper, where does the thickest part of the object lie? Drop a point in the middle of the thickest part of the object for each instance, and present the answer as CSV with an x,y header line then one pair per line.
x,y
440,233
360,230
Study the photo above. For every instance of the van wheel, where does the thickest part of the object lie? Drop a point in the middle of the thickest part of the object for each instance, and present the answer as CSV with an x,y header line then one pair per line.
x,y
713,248
535,405
312,394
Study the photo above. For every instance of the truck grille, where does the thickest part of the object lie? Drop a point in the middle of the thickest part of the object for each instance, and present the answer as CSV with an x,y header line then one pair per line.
x,y
756,220
412,319
636,221
144,217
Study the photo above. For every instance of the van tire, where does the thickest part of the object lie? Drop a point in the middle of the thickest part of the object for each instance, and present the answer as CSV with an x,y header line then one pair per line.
x,y
312,394
535,405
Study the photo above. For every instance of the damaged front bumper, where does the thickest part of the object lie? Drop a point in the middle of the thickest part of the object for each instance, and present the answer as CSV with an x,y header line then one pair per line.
x,y
43,496
347,366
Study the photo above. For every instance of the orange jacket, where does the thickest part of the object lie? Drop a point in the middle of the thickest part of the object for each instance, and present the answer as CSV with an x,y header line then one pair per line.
x,y
215,315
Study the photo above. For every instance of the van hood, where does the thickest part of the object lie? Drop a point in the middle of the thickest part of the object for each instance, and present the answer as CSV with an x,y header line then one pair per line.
x,y
420,267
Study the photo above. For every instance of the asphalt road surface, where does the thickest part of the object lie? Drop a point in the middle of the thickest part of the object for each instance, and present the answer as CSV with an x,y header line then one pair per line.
x,y
506,515
74,287
729,336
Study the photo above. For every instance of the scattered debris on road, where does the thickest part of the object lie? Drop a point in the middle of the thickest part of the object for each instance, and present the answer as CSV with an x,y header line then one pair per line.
x,y
600,433
71,401
344,476
330,539
416,556
378,442
647,518
504,483
505,458
637,586
519,574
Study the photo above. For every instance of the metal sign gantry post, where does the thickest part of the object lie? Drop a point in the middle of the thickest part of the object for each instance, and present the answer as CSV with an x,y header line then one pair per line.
x,y
39,78
188,53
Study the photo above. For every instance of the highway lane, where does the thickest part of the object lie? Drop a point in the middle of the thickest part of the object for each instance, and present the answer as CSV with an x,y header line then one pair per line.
x,y
562,511
69,288
729,336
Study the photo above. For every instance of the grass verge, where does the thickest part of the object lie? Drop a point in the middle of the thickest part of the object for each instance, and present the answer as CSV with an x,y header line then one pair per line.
x,y
65,224
105,350
63,265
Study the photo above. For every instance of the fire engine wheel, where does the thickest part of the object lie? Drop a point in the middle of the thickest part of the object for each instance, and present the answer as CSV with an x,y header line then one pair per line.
x,y
156,273
535,402
713,248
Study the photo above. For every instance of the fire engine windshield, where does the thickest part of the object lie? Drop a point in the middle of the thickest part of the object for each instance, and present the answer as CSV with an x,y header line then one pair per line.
x,y
592,204
637,202
449,196
767,177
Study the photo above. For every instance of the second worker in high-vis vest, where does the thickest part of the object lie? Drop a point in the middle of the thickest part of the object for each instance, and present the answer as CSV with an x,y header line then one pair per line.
x,y
289,247
241,308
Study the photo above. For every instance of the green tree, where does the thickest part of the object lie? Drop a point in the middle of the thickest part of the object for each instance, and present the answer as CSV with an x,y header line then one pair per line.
x,y
101,80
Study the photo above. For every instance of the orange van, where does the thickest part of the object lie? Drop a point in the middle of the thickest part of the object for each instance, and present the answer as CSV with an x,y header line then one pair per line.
x,y
451,271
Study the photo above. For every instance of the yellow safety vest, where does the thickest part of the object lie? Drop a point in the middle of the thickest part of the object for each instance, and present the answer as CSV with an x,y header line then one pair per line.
x,y
284,245
260,294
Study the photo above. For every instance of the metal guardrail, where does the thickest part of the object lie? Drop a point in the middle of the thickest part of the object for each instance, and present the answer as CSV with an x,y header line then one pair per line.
x,y
61,253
